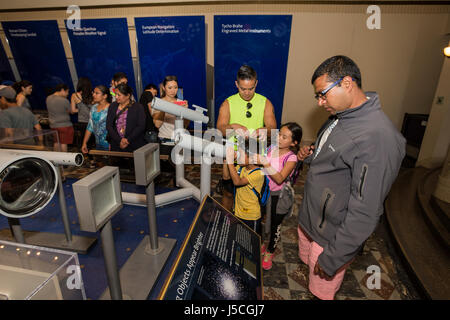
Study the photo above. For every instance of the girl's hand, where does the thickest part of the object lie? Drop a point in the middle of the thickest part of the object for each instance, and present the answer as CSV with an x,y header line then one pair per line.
x,y
84,149
260,159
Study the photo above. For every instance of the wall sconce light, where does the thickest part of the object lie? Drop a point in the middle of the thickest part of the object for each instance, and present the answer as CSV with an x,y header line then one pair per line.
x,y
447,50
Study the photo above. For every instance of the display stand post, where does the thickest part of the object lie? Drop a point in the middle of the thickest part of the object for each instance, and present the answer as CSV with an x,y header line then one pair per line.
x,y
151,210
141,271
16,229
109,254
205,175
63,206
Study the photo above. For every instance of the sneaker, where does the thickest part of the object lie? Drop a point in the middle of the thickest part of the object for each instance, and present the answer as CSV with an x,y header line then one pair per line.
x,y
267,261
263,249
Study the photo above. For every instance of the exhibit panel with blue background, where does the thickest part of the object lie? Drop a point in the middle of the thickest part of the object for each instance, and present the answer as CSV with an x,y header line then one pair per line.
x,y
174,46
100,48
260,41
5,68
39,55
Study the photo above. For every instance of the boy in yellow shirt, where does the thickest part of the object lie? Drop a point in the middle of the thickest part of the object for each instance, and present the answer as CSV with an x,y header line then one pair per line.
x,y
246,202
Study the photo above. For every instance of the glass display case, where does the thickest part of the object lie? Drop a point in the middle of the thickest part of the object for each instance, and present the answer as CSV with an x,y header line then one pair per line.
x,y
26,139
38,273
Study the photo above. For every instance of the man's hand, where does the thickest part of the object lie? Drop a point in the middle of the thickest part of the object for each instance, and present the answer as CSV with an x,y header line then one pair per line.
x,y
260,134
321,273
305,152
239,130
230,156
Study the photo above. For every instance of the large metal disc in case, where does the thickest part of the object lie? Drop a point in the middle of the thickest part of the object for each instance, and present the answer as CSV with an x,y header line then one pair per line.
x,y
27,184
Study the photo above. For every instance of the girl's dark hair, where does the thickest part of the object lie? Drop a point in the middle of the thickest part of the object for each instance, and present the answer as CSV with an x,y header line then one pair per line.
x,y
85,86
21,84
119,75
146,97
297,133
151,86
163,84
125,89
105,90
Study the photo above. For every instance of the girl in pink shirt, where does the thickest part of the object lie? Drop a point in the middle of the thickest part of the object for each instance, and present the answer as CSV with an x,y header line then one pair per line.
x,y
279,164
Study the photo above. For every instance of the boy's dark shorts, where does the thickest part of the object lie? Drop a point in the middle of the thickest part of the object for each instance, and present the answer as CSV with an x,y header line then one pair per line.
x,y
228,185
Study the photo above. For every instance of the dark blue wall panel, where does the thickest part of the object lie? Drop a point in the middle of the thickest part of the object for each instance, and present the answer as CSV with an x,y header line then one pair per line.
x,y
261,41
174,46
100,48
39,55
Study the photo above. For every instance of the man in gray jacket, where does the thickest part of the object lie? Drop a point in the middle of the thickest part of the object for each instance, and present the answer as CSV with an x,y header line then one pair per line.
x,y
353,164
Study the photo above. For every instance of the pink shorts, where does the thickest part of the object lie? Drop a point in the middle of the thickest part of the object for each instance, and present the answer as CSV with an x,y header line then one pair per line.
x,y
309,252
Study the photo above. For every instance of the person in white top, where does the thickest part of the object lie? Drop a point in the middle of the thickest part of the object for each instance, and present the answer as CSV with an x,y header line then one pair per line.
x,y
165,122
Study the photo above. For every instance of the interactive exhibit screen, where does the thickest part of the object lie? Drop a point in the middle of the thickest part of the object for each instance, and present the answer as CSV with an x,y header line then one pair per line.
x,y
219,259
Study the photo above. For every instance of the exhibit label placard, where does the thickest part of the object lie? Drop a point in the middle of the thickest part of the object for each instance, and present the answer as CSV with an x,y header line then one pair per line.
x,y
39,55
100,48
260,41
219,259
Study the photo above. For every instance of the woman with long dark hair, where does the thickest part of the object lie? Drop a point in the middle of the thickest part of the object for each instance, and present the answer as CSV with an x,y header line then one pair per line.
x,y
81,103
97,120
23,89
166,122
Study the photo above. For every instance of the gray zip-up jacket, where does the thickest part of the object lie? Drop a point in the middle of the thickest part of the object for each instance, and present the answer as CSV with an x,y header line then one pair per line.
x,y
348,181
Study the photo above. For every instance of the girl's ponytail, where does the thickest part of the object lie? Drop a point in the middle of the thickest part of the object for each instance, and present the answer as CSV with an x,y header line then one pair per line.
x,y
297,133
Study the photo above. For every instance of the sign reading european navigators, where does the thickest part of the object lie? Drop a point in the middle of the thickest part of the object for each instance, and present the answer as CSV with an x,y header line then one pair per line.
x,y
39,55
174,46
261,41
101,47
219,259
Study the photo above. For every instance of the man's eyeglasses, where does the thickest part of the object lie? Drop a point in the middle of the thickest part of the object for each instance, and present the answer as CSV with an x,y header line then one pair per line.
x,y
323,94
248,114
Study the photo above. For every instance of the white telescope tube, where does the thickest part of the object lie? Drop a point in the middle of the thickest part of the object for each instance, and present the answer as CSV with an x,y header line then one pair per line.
x,y
57,158
179,111
160,199
186,141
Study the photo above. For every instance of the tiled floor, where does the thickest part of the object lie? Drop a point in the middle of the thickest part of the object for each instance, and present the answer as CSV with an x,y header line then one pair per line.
x,y
288,278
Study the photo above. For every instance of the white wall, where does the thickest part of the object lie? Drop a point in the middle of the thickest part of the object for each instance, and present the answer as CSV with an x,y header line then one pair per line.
x,y
402,61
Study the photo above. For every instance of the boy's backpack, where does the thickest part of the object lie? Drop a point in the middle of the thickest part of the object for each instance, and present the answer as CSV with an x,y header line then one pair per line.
x,y
264,194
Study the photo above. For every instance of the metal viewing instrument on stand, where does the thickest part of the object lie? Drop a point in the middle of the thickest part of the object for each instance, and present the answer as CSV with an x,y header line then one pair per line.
x,y
141,271
98,199
29,180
